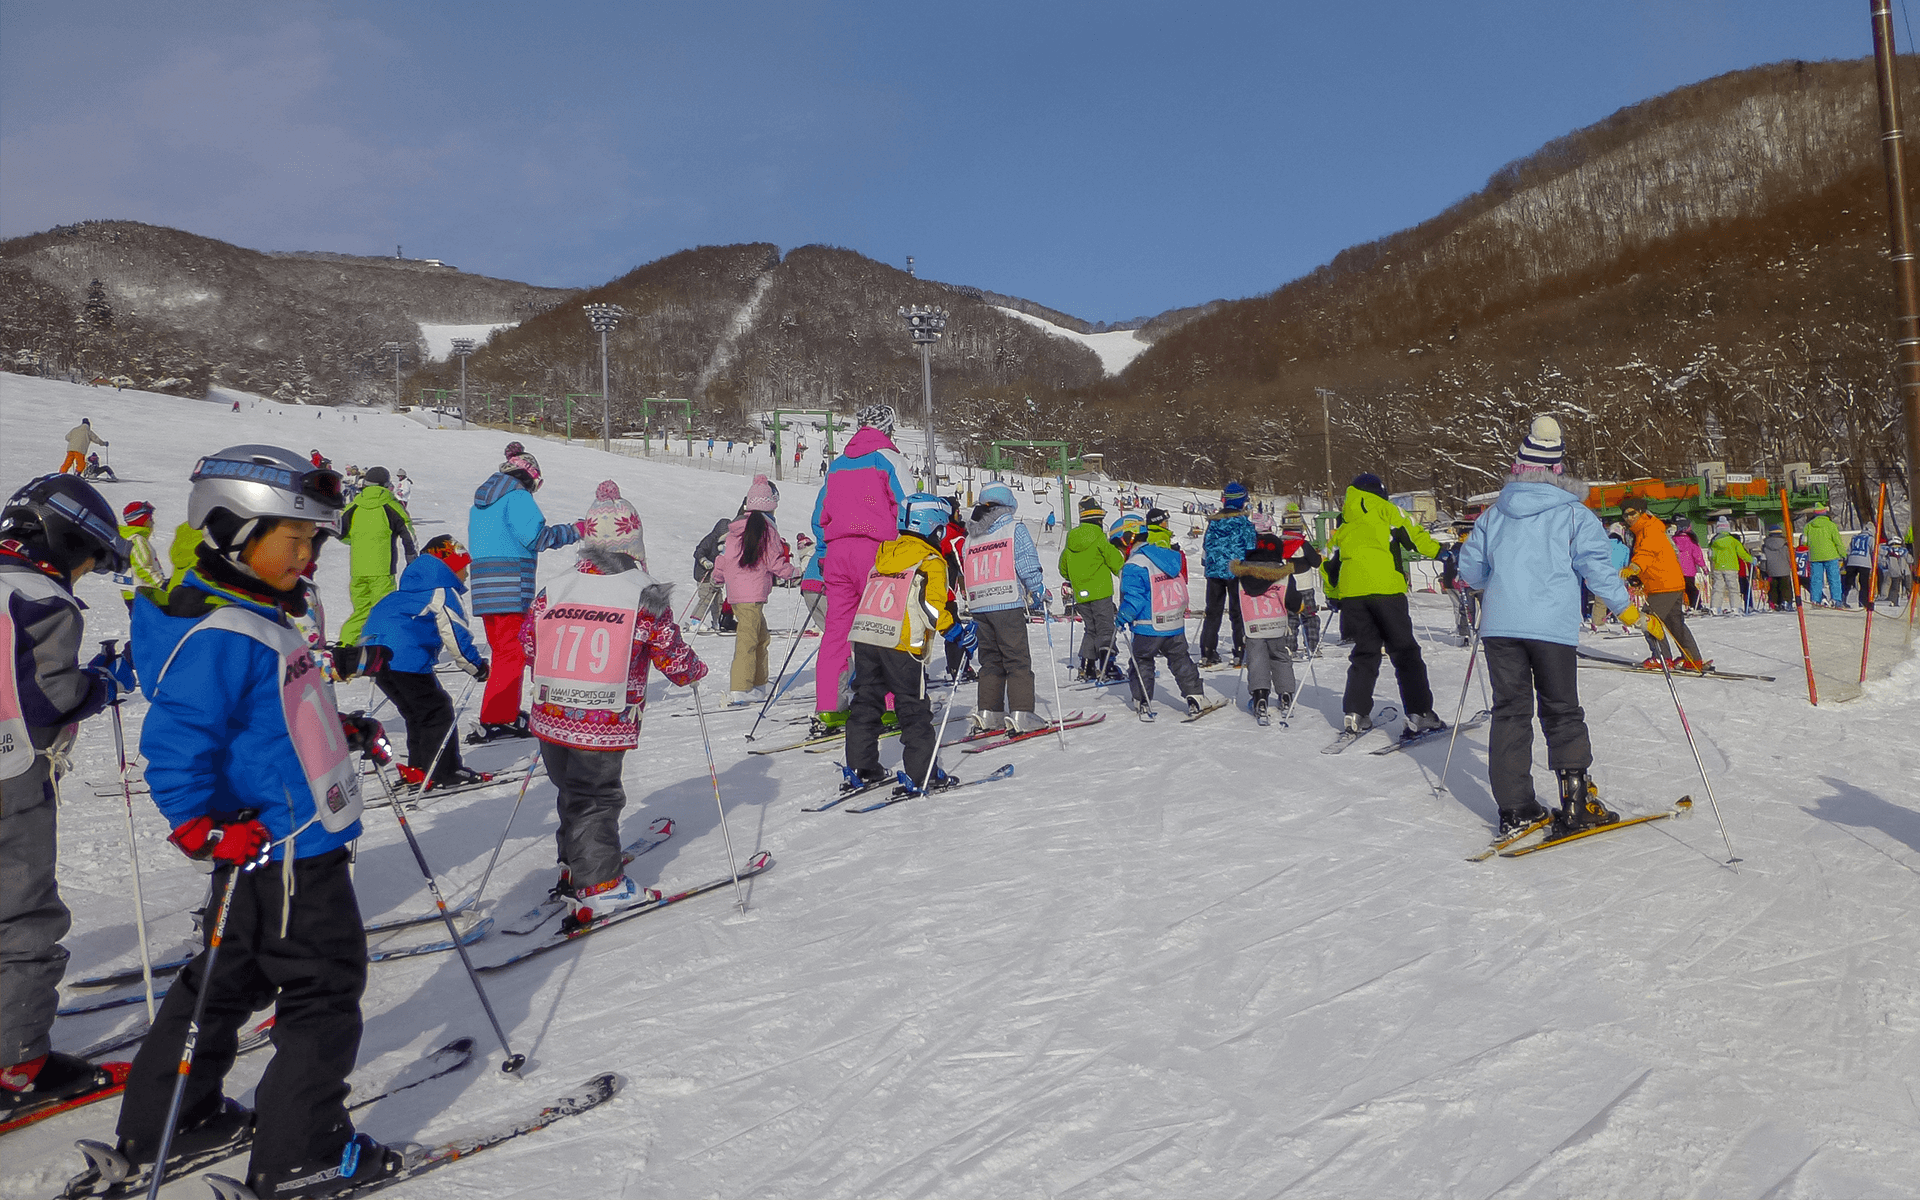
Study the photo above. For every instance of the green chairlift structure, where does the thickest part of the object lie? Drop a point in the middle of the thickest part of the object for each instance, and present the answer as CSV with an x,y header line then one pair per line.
x,y
779,422
1060,463
646,420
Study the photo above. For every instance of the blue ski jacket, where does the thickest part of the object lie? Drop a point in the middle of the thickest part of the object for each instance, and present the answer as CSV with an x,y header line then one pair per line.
x,y
420,617
1529,552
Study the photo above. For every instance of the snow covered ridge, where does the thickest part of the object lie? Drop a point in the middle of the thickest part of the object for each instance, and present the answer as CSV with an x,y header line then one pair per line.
x,y
1115,349
439,338
1185,960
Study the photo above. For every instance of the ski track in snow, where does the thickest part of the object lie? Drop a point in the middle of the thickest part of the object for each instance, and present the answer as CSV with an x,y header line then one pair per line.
x,y
1197,960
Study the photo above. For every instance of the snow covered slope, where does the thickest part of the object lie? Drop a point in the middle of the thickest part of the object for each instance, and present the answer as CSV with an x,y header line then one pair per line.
x,y
439,338
1181,960
1115,349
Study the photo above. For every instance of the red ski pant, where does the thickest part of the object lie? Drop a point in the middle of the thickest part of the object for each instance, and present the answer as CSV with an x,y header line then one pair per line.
x,y
501,703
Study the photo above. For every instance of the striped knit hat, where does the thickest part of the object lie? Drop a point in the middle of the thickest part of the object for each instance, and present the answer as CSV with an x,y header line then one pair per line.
x,y
1542,449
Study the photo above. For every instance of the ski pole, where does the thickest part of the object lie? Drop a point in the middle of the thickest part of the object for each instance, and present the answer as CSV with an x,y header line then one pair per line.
x,y
1688,730
812,602
107,648
941,733
513,1061
713,772
1059,710
199,1014
497,846
426,781
1473,653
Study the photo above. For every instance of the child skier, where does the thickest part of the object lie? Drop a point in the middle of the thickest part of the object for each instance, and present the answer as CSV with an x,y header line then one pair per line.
x,y
903,608
1726,552
751,558
52,531
1089,562
380,533
1153,605
1303,607
1003,581
589,690
1263,610
401,646
136,526
249,762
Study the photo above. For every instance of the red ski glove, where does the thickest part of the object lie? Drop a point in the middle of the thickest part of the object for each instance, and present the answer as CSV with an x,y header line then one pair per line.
x,y
235,843
367,736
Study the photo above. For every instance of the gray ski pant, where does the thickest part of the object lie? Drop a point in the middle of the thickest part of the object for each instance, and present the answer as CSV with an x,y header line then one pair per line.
x,y
1270,665
1519,669
1096,617
1173,648
590,802
1006,664
32,918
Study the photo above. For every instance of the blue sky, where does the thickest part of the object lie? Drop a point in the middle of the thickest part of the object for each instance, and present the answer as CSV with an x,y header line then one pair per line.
x,y
1112,160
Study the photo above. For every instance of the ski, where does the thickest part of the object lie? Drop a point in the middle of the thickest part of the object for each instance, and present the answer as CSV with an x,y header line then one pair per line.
x,y
1681,808
1480,718
907,791
250,1041
1521,834
115,1076
1346,739
1075,720
467,938
418,1160
109,1174
755,866
417,796
847,793
1677,672
1206,710
802,744
823,746
535,917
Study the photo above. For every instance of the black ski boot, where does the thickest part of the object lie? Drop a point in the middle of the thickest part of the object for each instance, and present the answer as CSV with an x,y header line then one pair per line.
x,y
361,1161
1513,820
1210,659
1259,706
1580,806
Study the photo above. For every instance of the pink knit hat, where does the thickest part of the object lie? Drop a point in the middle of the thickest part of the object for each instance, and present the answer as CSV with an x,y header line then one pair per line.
x,y
1262,523
613,524
762,496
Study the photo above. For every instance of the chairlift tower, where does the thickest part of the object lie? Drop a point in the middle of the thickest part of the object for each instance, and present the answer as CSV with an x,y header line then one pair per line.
x,y
924,325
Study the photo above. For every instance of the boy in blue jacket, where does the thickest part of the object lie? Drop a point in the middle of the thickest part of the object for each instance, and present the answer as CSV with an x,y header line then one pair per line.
x,y
1153,607
1530,551
250,762
403,638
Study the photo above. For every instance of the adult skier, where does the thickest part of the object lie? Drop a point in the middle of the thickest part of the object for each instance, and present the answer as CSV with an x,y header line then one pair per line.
x,y
1725,553
378,530
1529,552
1004,580
78,439
1230,536
753,557
1824,552
587,707
903,610
857,511
1089,562
243,765
1372,538
52,531
505,530
1153,605
403,489
1655,566
401,647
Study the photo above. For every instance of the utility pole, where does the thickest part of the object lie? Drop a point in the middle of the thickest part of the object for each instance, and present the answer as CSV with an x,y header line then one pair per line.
x,y
1326,427
1907,295
462,347
925,324
605,317
396,349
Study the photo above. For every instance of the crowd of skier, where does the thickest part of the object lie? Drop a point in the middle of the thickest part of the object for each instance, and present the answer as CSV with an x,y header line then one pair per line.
x,y
253,765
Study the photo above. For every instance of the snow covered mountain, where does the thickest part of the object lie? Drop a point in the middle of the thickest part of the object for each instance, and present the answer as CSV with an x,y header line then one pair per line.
x,y
1196,960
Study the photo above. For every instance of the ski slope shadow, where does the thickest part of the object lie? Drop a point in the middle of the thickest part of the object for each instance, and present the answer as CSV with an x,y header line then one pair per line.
x,y
1858,808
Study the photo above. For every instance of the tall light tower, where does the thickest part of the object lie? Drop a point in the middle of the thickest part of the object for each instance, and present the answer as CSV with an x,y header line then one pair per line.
x,y
462,347
924,325
396,349
605,318
1326,429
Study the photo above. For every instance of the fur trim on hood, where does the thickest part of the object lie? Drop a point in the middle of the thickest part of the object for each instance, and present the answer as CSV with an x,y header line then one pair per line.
x,y
1273,572
656,598
1577,488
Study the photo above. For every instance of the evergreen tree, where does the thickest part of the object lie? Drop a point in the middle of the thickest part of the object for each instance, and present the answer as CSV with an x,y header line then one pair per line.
x,y
98,313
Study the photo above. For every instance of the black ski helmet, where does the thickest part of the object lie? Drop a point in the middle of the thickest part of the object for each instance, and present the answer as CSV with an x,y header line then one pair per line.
x,y
62,519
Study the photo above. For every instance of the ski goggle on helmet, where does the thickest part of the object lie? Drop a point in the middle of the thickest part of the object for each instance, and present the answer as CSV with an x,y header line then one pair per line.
x,y
252,483
924,514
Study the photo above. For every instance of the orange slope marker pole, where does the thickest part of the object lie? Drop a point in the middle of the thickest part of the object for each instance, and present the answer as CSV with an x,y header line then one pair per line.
x,y
1873,580
1806,651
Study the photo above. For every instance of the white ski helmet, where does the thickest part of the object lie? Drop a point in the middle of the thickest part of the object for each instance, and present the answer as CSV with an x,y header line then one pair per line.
x,y
234,489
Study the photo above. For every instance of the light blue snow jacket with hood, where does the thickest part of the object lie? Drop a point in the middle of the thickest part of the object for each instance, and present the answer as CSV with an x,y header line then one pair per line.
x,y
1530,551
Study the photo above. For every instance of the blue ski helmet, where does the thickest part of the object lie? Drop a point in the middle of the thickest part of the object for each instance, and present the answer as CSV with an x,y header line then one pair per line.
x,y
999,493
925,514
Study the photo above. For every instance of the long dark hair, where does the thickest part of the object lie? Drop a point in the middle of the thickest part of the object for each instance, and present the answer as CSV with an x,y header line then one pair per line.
x,y
755,539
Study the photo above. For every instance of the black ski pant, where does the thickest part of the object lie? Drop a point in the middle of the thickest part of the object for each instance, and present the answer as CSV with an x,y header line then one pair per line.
x,y
1173,648
590,802
1375,623
1520,669
1221,594
878,670
428,711
1096,648
313,976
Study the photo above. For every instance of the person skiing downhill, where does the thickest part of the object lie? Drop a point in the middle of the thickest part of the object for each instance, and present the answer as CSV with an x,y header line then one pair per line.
x,y
1153,605
903,610
1529,552
586,709
1372,537
1230,536
1089,562
752,557
856,512
404,636
239,769
1004,580
52,531
505,531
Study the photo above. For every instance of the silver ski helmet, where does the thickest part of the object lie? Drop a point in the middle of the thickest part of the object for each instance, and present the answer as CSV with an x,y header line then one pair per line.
x,y
236,488
64,520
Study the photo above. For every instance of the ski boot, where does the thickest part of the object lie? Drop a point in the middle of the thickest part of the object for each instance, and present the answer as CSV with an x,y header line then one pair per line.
x,y
826,724
853,781
1420,723
459,777
1195,707
1258,706
1113,675
126,1167
1143,707
1025,722
988,721
362,1161
1580,806
589,904
1356,723
1513,820
1699,666
47,1080
1209,659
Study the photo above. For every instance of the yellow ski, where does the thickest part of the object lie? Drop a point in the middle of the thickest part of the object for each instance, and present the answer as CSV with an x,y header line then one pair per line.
x,y
1681,808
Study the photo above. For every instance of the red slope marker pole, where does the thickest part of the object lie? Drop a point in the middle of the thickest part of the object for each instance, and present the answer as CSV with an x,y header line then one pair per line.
x,y
1873,579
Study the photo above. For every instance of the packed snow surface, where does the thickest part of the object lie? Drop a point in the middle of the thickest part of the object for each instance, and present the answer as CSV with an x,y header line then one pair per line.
x,y
1115,349
1194,960
439,338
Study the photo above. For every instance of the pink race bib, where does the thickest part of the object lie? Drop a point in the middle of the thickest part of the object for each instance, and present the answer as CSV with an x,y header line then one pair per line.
x,y
581,653
1265,615
988,567
883,609
1169,603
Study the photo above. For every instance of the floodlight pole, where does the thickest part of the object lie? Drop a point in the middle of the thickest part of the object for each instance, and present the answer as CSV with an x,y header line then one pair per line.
x,y
395,349
605,317
462,347
1326,428
924,326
